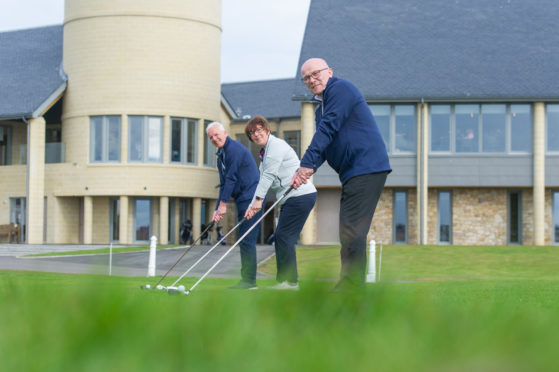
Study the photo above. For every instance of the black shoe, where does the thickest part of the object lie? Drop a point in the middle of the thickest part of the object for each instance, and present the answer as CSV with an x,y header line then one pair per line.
x,y
244,285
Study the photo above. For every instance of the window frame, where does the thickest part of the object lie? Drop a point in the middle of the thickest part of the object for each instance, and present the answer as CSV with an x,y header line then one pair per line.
x,y
480,129
450,230
394,232
509,218
145,148
105,139
185,124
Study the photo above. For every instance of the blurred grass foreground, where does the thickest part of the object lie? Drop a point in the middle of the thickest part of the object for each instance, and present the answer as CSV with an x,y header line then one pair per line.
x,y
435,309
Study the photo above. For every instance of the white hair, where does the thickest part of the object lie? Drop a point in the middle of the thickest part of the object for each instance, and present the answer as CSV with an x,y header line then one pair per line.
x,y
215,124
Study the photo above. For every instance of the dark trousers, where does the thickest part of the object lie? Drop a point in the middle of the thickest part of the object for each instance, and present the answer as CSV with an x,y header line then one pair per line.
x,y
293,214
359,200
248,245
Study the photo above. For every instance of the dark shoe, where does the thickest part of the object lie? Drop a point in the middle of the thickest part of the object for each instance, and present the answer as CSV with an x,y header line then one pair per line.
x,y
244,285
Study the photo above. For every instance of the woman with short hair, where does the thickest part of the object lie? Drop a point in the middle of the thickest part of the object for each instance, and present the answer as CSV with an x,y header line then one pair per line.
x,y
278,163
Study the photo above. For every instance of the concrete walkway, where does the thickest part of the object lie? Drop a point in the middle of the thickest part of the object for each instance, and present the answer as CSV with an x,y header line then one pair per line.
x,y
125,264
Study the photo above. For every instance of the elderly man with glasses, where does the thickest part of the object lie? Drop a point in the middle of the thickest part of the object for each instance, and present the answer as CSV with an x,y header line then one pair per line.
x,y
348,137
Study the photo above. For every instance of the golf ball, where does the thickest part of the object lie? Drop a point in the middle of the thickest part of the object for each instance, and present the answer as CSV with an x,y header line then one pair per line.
x,y
147,286
159,287
181,288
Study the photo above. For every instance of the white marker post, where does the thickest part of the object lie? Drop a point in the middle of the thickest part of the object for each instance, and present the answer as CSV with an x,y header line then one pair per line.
x,y
372,274
151,263
111,259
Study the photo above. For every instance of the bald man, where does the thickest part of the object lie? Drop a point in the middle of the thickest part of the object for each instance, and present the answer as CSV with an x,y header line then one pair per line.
x,y
348,137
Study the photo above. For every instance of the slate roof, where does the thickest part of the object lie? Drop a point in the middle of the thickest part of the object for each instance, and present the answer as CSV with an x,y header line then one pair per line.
x,y
30,70
438,49
269,98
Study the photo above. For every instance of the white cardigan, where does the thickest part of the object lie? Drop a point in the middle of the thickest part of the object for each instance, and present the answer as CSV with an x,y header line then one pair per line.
x,y
277,169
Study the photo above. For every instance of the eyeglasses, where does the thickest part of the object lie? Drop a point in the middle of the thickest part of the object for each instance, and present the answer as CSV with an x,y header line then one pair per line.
x,y
256,131
314,75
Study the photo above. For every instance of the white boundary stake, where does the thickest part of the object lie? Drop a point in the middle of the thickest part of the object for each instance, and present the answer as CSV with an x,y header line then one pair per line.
x,y
111,259
380,261
207,253
177,290
372,275
151,263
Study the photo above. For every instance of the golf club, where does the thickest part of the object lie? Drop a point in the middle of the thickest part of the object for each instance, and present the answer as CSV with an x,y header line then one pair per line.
x,y
208,252
176,290
160,287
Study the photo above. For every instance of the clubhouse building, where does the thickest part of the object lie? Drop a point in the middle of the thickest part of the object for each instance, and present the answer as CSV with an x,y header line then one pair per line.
x,y
102,119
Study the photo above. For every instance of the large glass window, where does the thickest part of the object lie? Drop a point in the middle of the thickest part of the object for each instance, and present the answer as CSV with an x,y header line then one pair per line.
x,y
209,149
382,118
493,127
404,128
114,219
440,128
183,140
397,126
445,217
552,127
104,139
293,138
142,219
555,229
400,217
145,139
520,128
488,128
515,217
5,145
467,128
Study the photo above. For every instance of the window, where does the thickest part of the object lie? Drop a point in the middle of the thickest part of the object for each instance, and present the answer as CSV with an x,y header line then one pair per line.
x,y
142,219
467,128
404,128
493,127
445,217
515,217
5,145
104,139
400,217
520,128
440,128
114,219
184,134
293,138
145,139
397,126
552,127
487,128
382,118
209,149
555,229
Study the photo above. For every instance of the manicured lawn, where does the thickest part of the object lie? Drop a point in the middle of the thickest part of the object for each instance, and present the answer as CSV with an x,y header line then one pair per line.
x,y
435,309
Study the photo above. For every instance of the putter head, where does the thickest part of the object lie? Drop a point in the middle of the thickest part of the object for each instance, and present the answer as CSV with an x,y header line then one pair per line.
x,y
176,290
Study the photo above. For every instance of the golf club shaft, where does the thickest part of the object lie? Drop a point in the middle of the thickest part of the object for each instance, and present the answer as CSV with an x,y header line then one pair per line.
x,y
240,240
208,252
186,251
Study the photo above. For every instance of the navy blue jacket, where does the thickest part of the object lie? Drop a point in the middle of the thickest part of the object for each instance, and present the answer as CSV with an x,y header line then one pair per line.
x,y
347,135
238,173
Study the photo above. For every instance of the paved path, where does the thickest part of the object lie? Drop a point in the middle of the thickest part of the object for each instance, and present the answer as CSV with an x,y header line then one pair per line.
x,y
125,264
